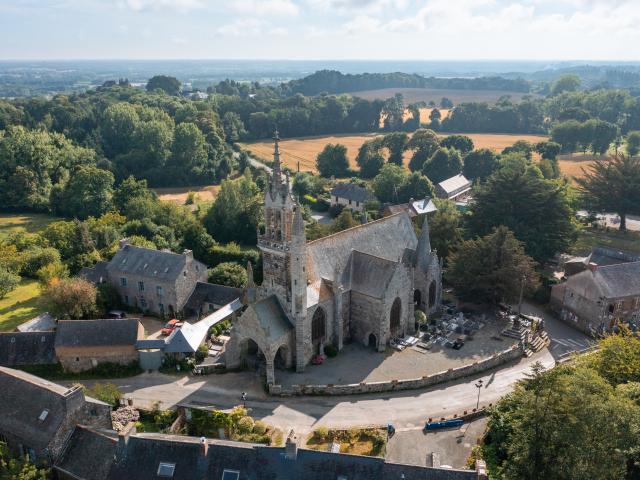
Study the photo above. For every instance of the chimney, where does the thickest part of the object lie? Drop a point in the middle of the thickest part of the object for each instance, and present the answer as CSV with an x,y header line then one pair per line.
x,y
188,254
593,267
291,449
123,243
204,446
125,433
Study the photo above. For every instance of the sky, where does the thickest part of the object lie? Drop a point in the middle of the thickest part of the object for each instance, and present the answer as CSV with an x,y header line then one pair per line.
x,y
321,29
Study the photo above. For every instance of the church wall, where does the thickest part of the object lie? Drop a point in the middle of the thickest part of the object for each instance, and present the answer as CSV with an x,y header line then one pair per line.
x,y
422,281
327,306
400,286
365,317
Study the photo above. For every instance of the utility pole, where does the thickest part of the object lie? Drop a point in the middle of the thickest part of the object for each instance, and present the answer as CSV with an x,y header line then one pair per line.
x,y
522,280
479,384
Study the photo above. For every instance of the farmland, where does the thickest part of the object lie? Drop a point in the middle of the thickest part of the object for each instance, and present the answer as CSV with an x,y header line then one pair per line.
x,y
179,195
305,150
24,303
412,95
31,222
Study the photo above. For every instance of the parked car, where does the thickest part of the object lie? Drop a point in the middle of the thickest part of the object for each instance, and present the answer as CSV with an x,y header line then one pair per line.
x,y
170,326
116,314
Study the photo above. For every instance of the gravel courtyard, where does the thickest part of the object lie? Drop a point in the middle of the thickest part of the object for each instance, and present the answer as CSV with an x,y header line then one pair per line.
x,y
356,363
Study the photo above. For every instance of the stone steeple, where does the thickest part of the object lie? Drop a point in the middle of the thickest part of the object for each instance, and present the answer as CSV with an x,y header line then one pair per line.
x,y
276,176
423,250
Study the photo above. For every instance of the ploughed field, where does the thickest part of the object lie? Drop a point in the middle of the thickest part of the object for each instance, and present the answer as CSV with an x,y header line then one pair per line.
x,y
179,194
305,149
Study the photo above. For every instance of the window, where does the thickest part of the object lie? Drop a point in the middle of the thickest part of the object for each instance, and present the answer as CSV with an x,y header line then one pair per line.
x,y
77,359
349,202
126,300
161,308
43,415
166,470
230,475
143,302
159,291
123,281
184,274
141,286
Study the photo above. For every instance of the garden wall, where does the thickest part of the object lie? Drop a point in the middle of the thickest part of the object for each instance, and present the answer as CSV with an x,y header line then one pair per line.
x,y
496,360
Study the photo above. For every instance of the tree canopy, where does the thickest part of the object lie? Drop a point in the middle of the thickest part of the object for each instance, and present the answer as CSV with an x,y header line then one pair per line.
x,y
333,161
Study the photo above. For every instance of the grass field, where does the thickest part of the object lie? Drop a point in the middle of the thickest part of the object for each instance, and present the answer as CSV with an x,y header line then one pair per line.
x,y
305,149
179,195
31,222
412,95
590,237
24,303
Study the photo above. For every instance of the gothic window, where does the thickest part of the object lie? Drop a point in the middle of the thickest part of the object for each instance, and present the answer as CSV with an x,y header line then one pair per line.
x,y
318,325
432,294
396,312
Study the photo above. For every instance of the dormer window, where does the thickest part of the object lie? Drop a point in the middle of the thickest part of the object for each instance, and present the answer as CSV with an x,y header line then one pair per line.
x,y
166,470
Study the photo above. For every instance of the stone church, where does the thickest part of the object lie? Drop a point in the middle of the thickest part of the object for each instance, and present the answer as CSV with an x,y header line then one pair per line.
x,y
362,284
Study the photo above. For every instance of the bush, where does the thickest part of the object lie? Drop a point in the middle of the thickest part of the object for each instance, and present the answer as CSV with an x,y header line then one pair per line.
x,y
245,425
72,298
335,210
321,433
50,272
259,427
105,392
191,198
230,274
8,282
232,253
201,353
330,351
37,257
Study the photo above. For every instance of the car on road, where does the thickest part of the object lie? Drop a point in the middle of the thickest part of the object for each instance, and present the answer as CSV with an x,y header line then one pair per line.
x,y
170,326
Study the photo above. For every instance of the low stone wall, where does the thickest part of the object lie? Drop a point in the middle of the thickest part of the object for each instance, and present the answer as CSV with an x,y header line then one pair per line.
x,y
496,360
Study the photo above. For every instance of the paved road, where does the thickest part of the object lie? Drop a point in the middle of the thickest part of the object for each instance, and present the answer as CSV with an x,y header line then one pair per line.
x,y
407,410
255,163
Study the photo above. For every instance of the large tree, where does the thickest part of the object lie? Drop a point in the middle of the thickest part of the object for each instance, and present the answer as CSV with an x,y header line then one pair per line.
x,y
462,143
88,192
396,143
333,161
537,210
445,228
370,159
443,164
492,269
167,84
612,186
72,298
424,143
480,164
388,183
228,273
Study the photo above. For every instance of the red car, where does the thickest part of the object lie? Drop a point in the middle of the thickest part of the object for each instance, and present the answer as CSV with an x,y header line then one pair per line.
x,y
171,326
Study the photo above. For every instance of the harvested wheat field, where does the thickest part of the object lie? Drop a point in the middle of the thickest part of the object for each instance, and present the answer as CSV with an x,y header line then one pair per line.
x,y
572,164
179,195
306,149
412,95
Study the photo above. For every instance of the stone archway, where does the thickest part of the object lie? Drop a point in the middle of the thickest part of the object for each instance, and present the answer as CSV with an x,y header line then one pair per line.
x,y
417,298
318,327
394,318
283,358
373,341
433,290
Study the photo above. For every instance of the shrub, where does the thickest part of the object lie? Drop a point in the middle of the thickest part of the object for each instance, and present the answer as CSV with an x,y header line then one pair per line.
x,y
331,351
191,198
50,272
259,427
37,257
335,210
321,433
201,353
72,298
245,425
105,392
8,282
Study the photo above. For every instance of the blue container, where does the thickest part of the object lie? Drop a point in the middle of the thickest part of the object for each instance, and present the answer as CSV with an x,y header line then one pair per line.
x,y
456,422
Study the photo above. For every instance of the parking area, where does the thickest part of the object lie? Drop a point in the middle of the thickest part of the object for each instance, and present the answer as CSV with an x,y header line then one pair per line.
x,y
152,326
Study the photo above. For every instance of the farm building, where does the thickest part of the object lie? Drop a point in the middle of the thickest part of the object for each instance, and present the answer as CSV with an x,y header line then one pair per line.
x,y
457,189
350,195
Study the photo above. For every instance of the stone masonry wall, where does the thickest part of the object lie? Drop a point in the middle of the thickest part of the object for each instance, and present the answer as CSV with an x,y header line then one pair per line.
x,y
496,360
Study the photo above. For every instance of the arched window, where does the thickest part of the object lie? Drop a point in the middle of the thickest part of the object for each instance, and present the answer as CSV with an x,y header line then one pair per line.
x,y
432,293
396,312
417,297
318,325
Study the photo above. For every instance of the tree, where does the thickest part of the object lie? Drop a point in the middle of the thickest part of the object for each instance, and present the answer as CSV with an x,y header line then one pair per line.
x,y
548,150
537,210
189,151
129,189
72,298
603,135
369,158
393,112
522,147
388,182
480,164
118,128
445,228
424,143
343,221
462,143
443,164
233,127
434,119
333,161
88,192
446,103
492,269
416,186
633,143
14,467
612,186
169,85
9,281
396,143
35,258
566,83
228,273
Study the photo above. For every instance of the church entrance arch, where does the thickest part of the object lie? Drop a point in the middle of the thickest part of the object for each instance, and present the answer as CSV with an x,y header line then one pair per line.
x,y
373,341
394,318
432,293
283,358
318,327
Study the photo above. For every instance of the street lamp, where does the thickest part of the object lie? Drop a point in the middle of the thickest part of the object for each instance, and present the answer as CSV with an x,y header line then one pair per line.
x,y
244,400
479,384
516,323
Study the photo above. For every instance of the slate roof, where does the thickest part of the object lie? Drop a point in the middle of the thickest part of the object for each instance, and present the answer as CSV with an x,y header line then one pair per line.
x,y
352,192
612,281
272,317
42,323
97,333
24,398
386,238
96,274
454,186
603,256
212,293
89,454
27,348
414,208
369,275
149,263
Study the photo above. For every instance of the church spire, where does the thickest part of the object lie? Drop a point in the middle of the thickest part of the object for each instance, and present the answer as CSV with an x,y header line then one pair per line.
x,y
277,170
424,241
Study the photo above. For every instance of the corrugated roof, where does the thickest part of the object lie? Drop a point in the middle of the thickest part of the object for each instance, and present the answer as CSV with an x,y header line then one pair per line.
x,y
97,333
454,184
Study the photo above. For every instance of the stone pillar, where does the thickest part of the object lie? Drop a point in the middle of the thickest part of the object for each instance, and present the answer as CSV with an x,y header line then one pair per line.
x,y
271,374
339,321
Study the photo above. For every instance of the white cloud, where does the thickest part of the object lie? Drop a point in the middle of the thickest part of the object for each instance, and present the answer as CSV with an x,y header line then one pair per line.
x,y
264,7
180,5
250,27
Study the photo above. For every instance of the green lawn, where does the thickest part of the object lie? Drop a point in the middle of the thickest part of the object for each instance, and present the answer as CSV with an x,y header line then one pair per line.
x,y
24,303
590,237
31,222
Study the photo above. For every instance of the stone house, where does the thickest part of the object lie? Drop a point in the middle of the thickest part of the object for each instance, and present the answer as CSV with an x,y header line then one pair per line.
x,y
456,189
361,284
350,195
600,297
37,416
155,281
84,344
27,348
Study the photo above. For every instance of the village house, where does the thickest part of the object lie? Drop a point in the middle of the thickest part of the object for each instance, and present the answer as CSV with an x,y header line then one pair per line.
x,y
27,348
351,196
413,208
81,345
361,284
155,281
600,297
456,189
37,416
